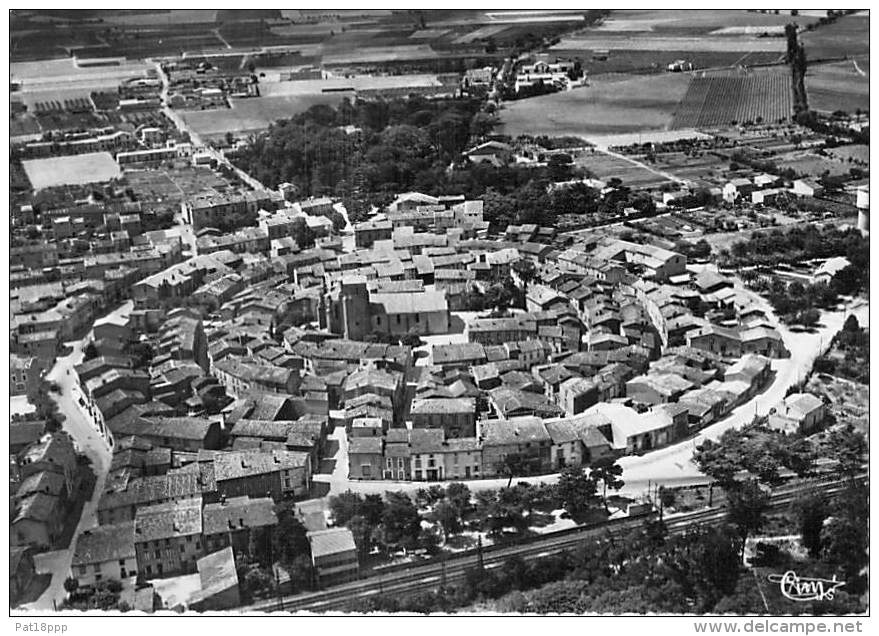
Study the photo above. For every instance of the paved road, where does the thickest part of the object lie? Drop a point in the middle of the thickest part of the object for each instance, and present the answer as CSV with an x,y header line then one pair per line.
x,y
89,441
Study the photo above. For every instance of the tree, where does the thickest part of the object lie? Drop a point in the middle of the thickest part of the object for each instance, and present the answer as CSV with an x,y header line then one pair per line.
x,y
576,490
289,540
747,504
401,523
448,517
608,472
811,511
362,531
344,506
458,494
411,339
849,448
372,509
90,352
71,585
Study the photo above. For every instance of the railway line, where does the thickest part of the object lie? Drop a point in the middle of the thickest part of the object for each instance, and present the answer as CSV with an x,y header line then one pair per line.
x,y
449,571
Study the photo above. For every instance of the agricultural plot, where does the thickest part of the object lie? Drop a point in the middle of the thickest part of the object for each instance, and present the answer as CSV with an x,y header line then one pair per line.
x,y
94,167
690,22
602,108
722,100
639,42
840,86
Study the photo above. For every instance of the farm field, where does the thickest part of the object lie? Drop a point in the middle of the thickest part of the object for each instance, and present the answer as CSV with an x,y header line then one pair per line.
x,y
254,113
638,42
696,22
606,167
718,100
71,170
839,86
604,107
848,36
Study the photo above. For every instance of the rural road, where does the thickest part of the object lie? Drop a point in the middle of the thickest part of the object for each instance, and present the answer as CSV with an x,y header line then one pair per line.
x,y
196,139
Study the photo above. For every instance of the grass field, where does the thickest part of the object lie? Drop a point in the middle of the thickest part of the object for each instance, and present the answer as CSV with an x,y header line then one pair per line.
x,y
719,100
606,167
804,162
856,152
93,167
839,86
602,108
253,114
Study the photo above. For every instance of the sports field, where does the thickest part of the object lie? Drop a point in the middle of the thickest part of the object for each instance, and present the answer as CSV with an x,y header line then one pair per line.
x,y
254,113
93,167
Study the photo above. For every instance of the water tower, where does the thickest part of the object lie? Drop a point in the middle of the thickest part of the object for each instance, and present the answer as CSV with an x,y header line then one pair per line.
x,y
863,205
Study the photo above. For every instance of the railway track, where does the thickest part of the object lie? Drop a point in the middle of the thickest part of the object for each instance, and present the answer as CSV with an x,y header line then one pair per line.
x,y
453,570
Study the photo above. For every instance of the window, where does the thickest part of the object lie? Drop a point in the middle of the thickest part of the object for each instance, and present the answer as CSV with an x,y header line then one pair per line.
x,y
82,570
122,573
149,569
158,554
398,319
122,562
181,549
198,545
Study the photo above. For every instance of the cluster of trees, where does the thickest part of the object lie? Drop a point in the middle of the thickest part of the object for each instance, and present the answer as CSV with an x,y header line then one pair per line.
x,y
389,524
799,243
533,202
644,570
747,464
796,57
853,342
103,595
498,296
403,144
798,303
394,522
824,126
